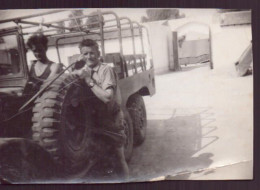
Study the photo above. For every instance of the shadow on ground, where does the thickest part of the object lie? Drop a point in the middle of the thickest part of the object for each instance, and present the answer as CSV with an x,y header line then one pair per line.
x,y
171,144
169,151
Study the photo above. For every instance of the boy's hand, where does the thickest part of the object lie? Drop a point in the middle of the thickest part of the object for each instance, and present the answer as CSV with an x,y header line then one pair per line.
x,y
81,58
84,73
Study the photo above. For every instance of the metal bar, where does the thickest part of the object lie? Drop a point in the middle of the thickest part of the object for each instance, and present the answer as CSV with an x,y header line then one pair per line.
x,y
118,26
105,31
37,24
126,22
44,88
58,52
28,27
110,20
149,45
119,32
132,31
102,33
57,46
23,51
69,19
31,16
61,20
115,29
120,36
86,24
141,36
67,34
76,22
71,36
133,40
45,31
110,26
95,23
76,34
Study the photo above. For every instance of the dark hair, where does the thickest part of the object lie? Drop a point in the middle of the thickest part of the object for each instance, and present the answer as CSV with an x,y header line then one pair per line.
x,y
88,43
37,39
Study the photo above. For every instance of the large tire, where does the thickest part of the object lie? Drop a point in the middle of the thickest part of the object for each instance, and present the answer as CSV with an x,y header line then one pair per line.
x,y
136,108
61,122
128,125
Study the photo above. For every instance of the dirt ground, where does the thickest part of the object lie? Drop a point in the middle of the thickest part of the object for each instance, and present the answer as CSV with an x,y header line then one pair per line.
x,y
200,126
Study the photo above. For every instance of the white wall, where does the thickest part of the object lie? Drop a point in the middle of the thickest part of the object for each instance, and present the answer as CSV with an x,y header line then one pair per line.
x,y
228,43
161,45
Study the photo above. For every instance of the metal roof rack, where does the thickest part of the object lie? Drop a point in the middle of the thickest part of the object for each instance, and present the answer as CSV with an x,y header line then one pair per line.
x,y
100,26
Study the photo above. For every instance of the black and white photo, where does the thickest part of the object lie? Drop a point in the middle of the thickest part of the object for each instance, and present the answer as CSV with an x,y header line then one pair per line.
x,y
125,95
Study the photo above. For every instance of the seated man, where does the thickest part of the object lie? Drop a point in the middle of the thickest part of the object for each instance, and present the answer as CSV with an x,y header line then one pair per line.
x,y
42,68
102,81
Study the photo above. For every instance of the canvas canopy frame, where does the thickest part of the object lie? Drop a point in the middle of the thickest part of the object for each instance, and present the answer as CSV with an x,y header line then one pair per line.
x,y
105,25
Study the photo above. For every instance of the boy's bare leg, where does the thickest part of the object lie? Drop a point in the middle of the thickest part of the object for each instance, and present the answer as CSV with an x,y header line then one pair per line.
x,y
121,166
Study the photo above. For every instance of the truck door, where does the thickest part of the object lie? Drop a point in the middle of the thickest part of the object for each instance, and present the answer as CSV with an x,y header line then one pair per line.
x,y
13,67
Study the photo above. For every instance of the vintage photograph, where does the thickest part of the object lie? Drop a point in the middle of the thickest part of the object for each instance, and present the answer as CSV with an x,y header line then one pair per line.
x,y
125,95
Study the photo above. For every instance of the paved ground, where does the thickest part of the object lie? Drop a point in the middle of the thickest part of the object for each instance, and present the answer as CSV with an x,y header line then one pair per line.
x,y
200,126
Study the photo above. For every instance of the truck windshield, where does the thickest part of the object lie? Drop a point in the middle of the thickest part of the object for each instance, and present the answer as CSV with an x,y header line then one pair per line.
x,y
9,56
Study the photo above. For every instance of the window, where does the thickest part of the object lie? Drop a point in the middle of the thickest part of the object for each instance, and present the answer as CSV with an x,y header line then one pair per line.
x,y
9,56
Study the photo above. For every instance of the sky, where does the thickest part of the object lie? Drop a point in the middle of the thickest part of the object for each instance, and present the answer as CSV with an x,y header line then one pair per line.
x,y
132,13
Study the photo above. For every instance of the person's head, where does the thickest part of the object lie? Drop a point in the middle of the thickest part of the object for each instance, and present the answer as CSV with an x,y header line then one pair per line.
x,y
89,48
38,44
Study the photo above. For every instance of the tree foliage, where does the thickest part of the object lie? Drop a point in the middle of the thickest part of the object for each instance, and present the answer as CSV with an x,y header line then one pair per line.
x,y
75,23
161,14
61,24
93,21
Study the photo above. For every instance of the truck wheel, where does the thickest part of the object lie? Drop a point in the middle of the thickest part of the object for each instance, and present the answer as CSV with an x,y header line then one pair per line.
x,y
128,125
61,122
137,111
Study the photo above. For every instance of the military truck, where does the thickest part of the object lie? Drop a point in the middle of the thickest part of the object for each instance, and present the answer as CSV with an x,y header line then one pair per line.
x,y
57,116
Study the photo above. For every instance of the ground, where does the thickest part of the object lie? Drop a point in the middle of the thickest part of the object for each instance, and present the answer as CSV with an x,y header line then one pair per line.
x,y
200,126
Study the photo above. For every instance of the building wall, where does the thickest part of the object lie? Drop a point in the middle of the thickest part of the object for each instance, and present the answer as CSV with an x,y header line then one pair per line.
x,y
194,48
228,43
161,44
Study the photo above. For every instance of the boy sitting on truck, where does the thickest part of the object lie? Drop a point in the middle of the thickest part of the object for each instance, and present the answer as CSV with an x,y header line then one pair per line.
x,y
42,68
102,80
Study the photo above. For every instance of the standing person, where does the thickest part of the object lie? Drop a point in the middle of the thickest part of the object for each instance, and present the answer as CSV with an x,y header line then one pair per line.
x,y
42,68
102,81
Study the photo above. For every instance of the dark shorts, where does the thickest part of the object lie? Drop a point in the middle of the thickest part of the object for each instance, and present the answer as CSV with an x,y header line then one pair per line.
x,y
111,128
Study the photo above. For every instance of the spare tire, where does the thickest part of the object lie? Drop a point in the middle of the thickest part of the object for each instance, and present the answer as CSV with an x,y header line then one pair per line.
x,y
62,120
136,108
